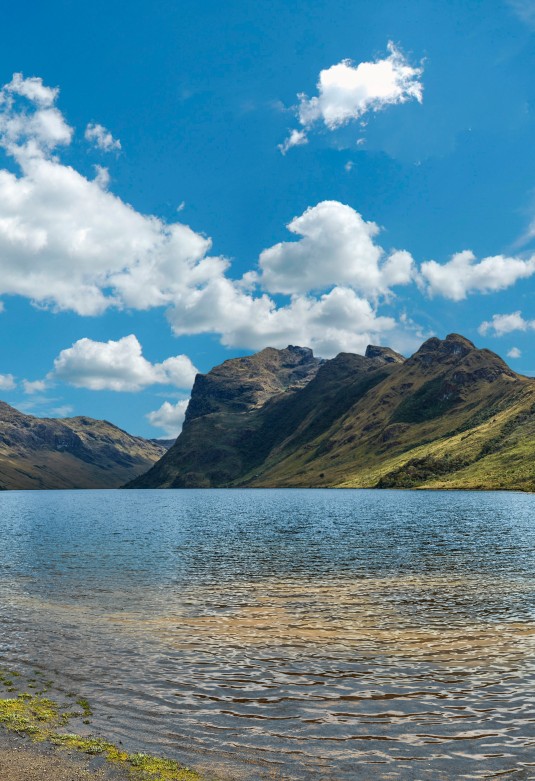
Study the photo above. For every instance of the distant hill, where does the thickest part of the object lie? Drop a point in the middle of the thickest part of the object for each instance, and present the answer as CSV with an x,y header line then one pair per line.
x,y
69,453
450,416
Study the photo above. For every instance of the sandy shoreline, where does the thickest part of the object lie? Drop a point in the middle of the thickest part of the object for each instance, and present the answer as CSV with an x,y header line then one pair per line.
x,y
23,760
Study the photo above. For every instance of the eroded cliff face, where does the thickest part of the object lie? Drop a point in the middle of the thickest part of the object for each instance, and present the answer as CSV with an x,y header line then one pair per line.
x,y
76,452
451,415
243,384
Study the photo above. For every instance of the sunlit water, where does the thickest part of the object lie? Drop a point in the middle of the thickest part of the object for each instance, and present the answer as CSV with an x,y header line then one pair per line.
x,y
285,634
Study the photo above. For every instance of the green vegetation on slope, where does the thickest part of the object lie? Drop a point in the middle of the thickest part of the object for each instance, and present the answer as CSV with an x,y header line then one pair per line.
x,y
451,416
428,402
497,454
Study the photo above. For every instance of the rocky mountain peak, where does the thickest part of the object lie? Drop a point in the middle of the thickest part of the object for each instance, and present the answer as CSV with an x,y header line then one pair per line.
x,y
242,384
457,366
436,350
457,344
305,352
384,354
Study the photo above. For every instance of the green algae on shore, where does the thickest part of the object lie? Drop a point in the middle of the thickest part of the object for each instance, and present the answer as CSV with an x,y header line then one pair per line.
x,y
42,719
141,766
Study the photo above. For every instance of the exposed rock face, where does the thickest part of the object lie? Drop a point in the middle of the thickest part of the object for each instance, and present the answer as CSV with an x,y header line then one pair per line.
x,y
283,418
70,453
242,384
448,350
385,354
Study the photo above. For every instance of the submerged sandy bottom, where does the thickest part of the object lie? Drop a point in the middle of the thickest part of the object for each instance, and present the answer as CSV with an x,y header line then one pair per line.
x,y
271,635
335,678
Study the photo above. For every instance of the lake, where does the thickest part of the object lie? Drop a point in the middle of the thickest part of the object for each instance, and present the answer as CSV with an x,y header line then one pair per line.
x,y
284,634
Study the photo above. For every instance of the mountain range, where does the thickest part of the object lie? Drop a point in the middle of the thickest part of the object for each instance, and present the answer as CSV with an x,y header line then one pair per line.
x,y
79,452
450,416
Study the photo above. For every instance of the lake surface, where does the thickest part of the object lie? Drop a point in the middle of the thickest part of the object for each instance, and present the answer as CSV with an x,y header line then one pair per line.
x,y
281,634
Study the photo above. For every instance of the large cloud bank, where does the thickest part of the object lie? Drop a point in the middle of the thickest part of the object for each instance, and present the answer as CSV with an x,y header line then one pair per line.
x,y
68,243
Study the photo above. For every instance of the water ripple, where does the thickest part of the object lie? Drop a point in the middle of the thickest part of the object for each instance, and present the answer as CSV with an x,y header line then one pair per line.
x,y
285,634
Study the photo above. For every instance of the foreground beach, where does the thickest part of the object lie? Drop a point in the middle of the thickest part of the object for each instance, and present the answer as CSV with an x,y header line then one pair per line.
x,y
37,740
21,760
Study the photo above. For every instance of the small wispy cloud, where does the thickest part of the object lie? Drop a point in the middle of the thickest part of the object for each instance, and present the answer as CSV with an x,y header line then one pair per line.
x,y
525,10
7,382
100,137
61,412
296,138
102,176
36,405
34,386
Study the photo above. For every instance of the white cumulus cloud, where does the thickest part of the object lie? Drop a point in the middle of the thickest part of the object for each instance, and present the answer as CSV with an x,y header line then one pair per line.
x,y
339,320
514,352
337,248
67,243
31,88
169,417
347,91
101,138
119,366
505,324
463,275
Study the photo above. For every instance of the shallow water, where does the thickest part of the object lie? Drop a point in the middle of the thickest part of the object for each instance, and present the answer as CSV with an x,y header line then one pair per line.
x,y
285,634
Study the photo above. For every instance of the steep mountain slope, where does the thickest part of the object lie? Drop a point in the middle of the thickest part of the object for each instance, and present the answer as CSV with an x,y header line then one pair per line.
x,y
224,412
69,453
438,420
450,416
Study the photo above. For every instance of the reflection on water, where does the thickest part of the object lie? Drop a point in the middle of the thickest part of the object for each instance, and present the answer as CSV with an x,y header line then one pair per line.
x,y
285,634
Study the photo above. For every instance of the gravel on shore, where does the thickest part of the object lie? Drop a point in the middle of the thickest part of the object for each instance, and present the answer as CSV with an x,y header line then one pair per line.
x,y
22,760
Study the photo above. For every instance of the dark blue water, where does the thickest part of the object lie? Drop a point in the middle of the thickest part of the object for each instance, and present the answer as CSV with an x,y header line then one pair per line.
x,y
284,634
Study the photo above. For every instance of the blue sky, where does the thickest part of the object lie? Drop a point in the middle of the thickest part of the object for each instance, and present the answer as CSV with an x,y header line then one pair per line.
x,y
174,202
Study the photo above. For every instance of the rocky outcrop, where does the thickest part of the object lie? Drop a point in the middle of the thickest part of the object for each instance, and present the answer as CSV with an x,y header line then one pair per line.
x,y
242,384
384,354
